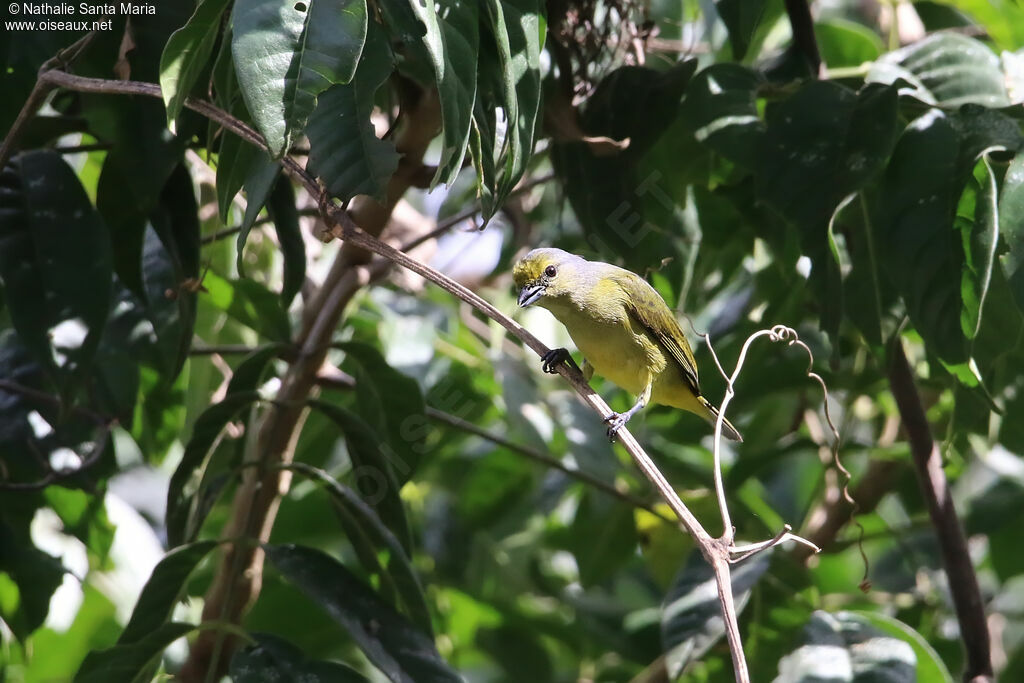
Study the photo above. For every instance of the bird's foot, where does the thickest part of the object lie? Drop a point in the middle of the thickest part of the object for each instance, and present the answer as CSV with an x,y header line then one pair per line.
x,y
615,422
553,358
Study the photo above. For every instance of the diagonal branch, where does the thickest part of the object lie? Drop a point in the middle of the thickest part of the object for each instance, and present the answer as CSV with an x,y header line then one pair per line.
x,y
956,558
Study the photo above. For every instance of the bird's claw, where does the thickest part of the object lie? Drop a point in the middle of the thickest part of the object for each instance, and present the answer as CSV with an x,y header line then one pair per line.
x,y
615,421
552,359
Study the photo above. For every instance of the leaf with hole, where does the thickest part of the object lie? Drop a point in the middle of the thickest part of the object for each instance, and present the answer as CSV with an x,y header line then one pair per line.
x,y
287,53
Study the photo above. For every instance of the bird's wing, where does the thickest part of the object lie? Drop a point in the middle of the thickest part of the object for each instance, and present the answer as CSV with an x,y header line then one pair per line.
x,y
647,307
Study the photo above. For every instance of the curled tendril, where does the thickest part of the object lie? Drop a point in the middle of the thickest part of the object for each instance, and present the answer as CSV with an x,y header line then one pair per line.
x,y
779,333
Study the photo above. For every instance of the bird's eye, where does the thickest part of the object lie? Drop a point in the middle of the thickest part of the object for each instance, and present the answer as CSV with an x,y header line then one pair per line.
x,y
550,271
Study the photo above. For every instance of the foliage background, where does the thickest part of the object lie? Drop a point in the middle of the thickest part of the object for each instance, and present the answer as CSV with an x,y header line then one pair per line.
x,y
161,335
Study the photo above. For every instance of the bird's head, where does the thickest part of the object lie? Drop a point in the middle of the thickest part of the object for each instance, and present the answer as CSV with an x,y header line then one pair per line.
x,y
547,274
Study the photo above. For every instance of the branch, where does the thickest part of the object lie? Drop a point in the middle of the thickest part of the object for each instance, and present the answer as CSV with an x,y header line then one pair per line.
x,y
963,583
804,42
238,578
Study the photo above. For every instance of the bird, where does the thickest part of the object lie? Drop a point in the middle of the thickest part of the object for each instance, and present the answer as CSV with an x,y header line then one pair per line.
x,y
622,326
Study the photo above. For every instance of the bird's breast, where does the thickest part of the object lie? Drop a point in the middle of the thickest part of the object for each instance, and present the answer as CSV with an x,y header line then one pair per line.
x,y
626,356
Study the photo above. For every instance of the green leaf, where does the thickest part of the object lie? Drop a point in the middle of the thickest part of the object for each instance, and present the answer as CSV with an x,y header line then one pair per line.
x,y
135,171
847,647
235,161
978,222
251,304
603,537
1011,227
518,30
403,653
373,469
820,146
452,43
275,660
741,18
287,53
393,403
617,199
846,43
947,69
55,262
186,54
182,498
914,232
131,662
344,150
720,107
161,593
281,207
170,262
691,620
360,519
263,171
930,667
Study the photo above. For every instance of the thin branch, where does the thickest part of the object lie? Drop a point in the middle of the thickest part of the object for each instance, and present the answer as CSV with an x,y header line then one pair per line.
x,y
956,557
450,222
40,92
53,476
544,459
53,401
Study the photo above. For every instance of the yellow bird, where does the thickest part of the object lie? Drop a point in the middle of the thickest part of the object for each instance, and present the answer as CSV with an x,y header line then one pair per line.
x,y
624,329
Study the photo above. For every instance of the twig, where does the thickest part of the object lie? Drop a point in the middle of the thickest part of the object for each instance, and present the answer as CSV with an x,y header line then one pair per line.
x,y
40,92
545,459
53,476
956,558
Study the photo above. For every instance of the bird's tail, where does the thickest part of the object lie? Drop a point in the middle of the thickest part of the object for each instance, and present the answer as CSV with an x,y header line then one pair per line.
x,y
711,415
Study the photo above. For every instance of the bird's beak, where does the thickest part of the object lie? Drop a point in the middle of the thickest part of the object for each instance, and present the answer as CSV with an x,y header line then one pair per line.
x,y
530,293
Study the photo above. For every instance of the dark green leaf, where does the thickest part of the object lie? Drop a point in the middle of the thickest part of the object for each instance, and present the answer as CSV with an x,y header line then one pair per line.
x,y
344,150
55,261
263,171
287,53
617,198
720,107
131,662
185,56
181,498
275,660
691,620
393,403
161,593
741,18
373,469
361,519
135,171
949,69
1011,227
978,222
171,269
518,30
914,232
402,652
603,537
452,43
281,208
